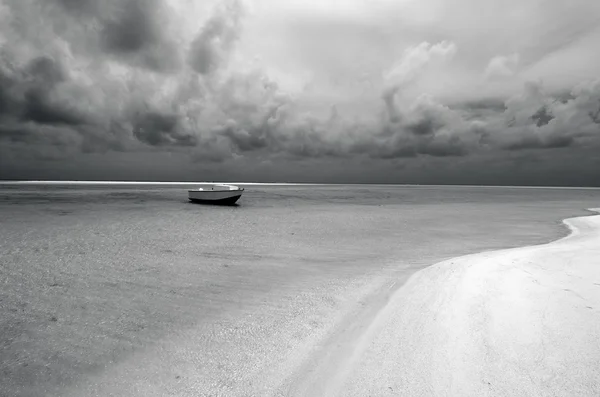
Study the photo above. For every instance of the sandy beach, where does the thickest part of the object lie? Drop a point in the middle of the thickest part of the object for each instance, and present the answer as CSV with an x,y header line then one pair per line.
x,y
129,291
516,322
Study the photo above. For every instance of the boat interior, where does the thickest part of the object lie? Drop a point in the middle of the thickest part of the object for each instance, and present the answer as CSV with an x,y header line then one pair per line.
x,y
220,187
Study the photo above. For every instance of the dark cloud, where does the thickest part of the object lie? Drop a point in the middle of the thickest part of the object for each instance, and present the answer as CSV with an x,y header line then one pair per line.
x,y
27,94
134,27
394,148
46,71
35,119
40,139
39,108
38,105
159,129
479,110
16,135
532,140
406,146
390,106
79,6
425,126
135,31
538,120
595,115
243,139
107,77
542,116
448,147
210,48
7,103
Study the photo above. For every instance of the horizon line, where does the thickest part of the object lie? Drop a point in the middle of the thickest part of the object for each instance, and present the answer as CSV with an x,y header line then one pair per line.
x,y
75,182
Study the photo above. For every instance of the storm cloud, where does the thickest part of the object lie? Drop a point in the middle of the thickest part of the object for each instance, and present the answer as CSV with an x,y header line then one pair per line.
x,y
199,81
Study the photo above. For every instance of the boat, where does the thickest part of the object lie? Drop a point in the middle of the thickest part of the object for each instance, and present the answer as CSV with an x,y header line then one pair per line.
x,y
219,194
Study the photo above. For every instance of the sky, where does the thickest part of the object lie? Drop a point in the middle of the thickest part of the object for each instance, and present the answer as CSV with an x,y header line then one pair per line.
x,y
326,91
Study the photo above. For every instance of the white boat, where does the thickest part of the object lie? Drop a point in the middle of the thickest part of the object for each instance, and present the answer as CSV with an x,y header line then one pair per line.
x,y
216,194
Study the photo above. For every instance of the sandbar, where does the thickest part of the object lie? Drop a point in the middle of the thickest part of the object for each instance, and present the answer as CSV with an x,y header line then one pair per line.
x,y
515,322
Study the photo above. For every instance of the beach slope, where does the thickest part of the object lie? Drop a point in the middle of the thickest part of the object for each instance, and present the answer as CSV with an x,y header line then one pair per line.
x,y
517,322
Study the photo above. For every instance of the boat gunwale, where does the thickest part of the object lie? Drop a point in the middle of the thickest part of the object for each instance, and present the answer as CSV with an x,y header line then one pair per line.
x,y
239,189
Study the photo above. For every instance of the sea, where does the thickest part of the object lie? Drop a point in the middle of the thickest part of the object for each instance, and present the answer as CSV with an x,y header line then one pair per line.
x,y
128,289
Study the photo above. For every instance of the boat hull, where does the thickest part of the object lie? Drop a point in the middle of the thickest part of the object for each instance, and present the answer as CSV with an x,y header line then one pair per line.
x,y
223,195
224,201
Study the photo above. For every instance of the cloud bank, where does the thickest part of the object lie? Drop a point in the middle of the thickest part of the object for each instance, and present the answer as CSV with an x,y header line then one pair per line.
x,y
265,83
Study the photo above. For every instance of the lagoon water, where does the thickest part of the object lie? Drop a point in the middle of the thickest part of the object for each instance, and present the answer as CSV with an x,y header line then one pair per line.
x,y
128,289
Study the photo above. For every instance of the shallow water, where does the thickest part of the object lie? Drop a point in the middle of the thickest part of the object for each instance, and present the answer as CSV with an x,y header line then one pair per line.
x,y
130,289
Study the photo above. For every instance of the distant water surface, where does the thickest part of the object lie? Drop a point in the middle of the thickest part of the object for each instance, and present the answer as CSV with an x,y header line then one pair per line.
x,y
94,276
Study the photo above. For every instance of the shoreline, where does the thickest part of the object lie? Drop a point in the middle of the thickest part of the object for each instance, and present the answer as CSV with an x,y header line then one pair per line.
x,y
326,372
491,323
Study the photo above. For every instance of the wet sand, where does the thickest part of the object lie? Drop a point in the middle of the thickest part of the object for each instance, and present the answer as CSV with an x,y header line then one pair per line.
x,y
516,322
